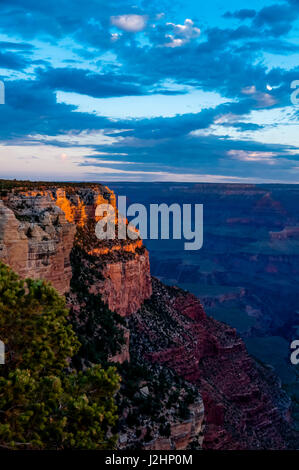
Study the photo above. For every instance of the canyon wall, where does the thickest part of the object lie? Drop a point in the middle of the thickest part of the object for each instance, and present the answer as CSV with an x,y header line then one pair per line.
x,y
37,234
245,407
126,284
39,249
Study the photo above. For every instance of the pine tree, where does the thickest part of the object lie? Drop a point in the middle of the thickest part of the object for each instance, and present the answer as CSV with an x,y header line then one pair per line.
x,y
43,403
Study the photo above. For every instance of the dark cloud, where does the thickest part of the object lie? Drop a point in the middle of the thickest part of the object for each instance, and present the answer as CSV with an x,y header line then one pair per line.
x,y
202,155
12,61
55,20
31,108
16,46
274,46
240,14
278,19
87,83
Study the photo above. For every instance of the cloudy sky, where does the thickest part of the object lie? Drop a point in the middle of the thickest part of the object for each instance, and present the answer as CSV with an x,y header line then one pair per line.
x,y
105,90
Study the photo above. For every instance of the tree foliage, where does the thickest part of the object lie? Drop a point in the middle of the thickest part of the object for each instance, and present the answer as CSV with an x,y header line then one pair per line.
x,y
43,403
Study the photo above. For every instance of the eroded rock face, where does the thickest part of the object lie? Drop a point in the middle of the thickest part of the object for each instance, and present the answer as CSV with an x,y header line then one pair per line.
x,y
182,433
158,410
126,284
241,403
37,229
39,245
244,406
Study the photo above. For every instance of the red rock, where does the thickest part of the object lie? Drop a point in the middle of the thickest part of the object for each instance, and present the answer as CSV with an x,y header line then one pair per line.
x,y
240,410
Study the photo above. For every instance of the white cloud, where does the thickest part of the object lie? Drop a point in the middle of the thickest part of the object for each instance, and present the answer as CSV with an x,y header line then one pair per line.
x,y
173,42
226,118
114,37
182,33
279,126
263,100
131,23
249,90
80,139
249,156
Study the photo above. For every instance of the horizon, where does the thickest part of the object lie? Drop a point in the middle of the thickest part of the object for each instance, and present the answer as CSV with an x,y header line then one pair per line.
x,y
106,183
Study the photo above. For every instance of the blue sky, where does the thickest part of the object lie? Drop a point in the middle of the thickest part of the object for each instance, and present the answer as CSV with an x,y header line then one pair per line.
x,y
149,90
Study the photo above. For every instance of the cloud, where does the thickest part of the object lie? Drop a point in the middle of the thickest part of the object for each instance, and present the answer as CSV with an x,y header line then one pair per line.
x,y
16,46
173,42
248,156
263,100
87,83
240,14
249,90
81,53
130,23
13,61
114,36
182,33
277,18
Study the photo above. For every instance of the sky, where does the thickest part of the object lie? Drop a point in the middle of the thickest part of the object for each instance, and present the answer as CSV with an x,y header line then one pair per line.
x,y
168,90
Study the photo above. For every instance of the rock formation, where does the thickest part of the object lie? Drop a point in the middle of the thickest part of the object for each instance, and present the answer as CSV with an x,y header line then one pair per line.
x,y
37,228
36,240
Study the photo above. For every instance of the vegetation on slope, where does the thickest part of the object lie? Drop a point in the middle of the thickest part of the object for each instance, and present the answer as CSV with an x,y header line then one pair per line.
x,y
98,329
44,404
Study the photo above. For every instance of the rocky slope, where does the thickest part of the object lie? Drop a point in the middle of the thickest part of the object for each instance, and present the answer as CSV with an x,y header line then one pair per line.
x,y
244,405
159,410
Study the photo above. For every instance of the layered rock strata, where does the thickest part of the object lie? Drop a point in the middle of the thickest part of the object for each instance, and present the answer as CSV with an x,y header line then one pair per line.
x,y
243,407
37,229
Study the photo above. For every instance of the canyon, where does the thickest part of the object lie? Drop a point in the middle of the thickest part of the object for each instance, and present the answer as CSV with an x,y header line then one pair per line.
x,y
188,380
246,273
